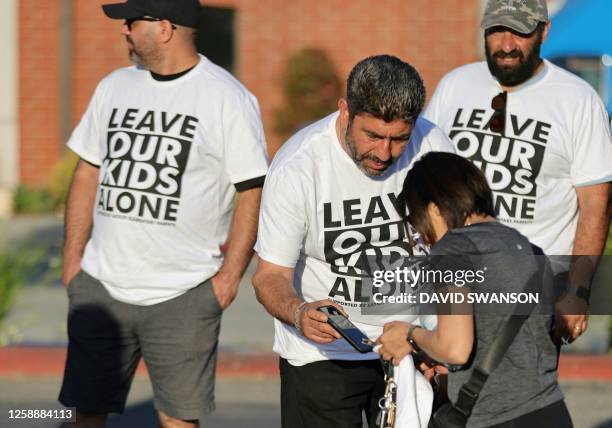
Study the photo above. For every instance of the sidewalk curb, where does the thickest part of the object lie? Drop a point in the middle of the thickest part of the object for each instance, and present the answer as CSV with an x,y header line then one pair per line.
x,y
49,361
41,361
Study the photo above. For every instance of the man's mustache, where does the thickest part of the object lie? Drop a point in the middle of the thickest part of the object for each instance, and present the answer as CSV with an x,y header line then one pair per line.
x,y
376,159
515,53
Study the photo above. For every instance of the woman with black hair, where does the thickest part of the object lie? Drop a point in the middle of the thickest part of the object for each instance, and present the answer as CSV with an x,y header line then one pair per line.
x,y
451,206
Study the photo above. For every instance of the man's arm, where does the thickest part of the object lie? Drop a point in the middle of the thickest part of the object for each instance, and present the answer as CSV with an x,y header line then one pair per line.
x,y
591,234
274,290
239,248
78,218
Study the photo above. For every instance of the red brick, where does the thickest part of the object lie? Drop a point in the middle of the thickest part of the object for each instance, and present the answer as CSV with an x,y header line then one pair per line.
x,y
434,39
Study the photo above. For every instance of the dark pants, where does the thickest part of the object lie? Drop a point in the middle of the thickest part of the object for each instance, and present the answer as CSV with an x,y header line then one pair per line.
x,y
555,415
330,394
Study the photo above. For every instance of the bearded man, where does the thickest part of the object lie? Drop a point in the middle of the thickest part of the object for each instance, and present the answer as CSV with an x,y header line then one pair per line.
x,y
541,136
164,146
330,202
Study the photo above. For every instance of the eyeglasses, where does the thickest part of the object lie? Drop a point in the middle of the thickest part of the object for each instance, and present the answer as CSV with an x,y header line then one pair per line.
x,y
498,120
130,21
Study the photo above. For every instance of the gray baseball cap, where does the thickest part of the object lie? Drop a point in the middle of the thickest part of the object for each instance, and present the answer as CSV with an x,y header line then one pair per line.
x,y
520,15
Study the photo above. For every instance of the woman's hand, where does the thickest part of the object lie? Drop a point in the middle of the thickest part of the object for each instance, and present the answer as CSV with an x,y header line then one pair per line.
x,y
393,340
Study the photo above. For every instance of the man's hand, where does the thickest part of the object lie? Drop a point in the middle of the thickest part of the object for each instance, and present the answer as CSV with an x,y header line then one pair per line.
x,y
225,289
313,323
78,219
238,247
571,318
71,268
393,340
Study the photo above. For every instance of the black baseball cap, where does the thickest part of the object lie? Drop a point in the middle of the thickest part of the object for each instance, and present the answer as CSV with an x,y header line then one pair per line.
x,y
179,12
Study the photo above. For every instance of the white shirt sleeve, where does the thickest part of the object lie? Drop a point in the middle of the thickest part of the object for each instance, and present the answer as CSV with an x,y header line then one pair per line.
x,y
592,145
434,111
438,141
87,140
245,144
427,137
282,219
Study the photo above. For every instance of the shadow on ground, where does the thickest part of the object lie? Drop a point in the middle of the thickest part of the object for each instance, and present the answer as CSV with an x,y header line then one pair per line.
x,y
227,415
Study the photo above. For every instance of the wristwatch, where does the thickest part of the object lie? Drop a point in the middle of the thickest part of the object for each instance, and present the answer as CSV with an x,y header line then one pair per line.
x,y
415,348
580,291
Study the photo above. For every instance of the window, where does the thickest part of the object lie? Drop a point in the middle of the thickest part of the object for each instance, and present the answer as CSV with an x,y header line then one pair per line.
x,y
215,38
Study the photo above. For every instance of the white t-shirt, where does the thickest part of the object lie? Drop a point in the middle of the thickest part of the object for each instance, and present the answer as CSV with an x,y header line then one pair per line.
x,y
556,138
322,216
170,153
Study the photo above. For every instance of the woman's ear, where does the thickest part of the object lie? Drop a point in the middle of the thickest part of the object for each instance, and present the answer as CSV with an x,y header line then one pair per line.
x,y
438,224
433,210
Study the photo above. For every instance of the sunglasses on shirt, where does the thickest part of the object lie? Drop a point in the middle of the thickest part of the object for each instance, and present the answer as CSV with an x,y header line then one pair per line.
x,y
498,120
130,21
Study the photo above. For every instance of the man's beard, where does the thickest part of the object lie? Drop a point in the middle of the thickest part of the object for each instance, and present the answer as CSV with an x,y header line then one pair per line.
x,y
359,159
139,56
517,74
134,57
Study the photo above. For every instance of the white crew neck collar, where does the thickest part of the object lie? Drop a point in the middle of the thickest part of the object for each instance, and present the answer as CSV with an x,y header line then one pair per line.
x,y
178,80
533,81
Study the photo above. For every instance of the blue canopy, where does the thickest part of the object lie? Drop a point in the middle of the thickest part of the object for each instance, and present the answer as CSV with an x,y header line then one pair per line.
x,y
580,28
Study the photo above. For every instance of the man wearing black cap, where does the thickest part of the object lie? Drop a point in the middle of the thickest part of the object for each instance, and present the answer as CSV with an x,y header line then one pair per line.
x,y
164,146
541,136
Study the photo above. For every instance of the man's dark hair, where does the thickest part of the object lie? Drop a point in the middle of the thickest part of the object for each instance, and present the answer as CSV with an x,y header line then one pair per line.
x,y
385,87
454,184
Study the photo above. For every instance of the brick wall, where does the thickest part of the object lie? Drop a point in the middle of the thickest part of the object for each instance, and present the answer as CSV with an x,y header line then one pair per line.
x,y
38,89
99,48
434,39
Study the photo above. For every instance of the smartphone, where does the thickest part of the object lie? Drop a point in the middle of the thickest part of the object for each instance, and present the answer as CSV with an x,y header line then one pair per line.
x,y
347,329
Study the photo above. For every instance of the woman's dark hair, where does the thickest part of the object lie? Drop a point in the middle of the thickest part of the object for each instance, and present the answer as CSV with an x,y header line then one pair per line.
x,y
454,184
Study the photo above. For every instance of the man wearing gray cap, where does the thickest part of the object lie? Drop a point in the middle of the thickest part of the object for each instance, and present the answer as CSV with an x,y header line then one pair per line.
x,y
164,147
541,136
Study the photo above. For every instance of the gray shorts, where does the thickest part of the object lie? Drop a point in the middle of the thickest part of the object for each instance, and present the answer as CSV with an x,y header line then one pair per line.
x,y
177,339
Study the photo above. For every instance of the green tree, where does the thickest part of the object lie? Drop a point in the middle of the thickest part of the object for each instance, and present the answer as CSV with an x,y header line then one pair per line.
x,y
311,90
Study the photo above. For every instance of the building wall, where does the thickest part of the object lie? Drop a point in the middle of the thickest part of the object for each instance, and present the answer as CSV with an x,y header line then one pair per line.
x,y
38,89
434,39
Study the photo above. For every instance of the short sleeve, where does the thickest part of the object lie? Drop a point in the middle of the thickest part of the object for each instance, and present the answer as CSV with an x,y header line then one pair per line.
x,y
245,146
438,141
592,145
427,137
454,252
282,219
433,112
87,140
